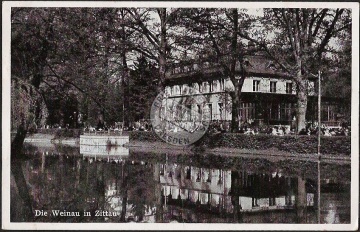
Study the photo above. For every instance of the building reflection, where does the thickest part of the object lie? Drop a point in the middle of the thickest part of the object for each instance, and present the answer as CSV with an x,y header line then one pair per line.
x,y
230,193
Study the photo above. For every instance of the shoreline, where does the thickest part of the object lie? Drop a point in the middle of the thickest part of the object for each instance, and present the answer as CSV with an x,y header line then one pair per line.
x,y
144,146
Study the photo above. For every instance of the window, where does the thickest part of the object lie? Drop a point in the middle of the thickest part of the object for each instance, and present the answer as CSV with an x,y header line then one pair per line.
x,y
180,89
198,116
272,86
188,112
289,88
210,86
285,111
274,112
256,85
222,84
221,110
247,111
185,89
210,110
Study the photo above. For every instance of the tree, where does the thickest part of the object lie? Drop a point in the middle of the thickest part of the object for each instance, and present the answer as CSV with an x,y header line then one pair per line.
x,y
29,49
218,31
155,35
68,51
337,81
142,94
298,41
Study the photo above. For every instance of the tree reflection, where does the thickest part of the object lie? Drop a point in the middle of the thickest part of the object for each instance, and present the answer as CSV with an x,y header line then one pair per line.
x,y
235,194
301,200
124,191
23,192
158,194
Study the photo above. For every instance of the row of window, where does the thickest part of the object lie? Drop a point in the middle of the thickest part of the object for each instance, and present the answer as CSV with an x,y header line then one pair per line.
x,y
211,86
201,87
275,111
256,86
190,68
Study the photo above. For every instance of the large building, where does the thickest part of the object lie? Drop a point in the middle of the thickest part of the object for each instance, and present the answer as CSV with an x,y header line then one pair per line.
x,y
268,94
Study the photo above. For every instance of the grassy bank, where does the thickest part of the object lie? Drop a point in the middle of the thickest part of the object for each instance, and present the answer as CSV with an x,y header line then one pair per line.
x,y
338,145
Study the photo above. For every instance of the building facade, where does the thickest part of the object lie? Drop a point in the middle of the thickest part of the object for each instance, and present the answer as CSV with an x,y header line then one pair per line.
x,y
268,95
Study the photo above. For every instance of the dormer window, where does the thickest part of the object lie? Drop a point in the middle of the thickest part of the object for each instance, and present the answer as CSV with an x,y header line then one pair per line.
x,y
272,86
256,85
185,89
211,87
222,84
271,66
197,87
289,87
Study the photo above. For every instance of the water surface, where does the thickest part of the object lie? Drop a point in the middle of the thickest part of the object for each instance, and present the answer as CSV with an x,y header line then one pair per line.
x,y
115,184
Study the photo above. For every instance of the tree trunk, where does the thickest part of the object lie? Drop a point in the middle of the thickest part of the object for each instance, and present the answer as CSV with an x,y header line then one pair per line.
x,y
301,100
235,98
18,142
125,76
162,50
301,94
124,192
126,91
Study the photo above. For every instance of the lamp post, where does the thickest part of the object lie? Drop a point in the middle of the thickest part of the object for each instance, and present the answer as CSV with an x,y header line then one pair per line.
x,y
319,114
319,145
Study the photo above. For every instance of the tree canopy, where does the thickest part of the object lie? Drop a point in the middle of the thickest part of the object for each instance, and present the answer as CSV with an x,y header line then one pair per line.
x,y
91,59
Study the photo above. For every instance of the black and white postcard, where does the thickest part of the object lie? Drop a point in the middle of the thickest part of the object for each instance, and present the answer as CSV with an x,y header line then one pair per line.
x,y
205,115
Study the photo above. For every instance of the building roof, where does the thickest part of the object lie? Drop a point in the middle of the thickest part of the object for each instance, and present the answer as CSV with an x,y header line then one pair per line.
x,y
255,65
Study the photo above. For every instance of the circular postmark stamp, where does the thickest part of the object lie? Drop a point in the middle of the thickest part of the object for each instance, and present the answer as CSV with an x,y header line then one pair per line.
x,y
180,120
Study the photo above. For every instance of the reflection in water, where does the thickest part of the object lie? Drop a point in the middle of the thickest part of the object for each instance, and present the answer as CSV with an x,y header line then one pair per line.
x,y
105,187
20,198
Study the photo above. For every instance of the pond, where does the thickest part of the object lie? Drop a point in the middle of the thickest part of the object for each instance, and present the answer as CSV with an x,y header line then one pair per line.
x,y
117,184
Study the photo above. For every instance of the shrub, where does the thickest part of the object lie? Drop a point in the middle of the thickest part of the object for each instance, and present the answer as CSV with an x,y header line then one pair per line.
x,y
290,143
61,133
